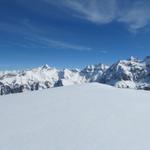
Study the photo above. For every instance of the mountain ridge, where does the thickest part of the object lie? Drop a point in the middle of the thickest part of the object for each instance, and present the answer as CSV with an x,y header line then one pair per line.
x,y
131,73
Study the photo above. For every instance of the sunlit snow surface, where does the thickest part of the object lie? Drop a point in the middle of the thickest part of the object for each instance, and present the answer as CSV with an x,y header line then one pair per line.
x,y
79,117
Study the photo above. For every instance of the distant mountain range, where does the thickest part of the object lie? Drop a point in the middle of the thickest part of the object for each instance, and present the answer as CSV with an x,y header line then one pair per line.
x,y
131,73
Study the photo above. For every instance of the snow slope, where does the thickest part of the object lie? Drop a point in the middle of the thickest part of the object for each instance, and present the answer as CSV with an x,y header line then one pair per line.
x,y
80,117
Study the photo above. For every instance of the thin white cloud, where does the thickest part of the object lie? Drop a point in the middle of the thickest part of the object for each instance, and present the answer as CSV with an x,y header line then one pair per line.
x,y
97,11
45,42
64,45
102,11
135,14
103,51
34,37
37,41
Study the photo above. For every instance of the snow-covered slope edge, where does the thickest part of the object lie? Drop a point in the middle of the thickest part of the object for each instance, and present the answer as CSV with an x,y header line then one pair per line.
x,y
131,73
84,117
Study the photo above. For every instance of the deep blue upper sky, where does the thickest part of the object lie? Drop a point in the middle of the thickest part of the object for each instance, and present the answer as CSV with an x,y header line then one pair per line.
x,y
72,33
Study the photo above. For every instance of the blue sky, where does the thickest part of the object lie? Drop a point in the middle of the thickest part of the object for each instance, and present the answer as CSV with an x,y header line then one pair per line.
x,y
72,33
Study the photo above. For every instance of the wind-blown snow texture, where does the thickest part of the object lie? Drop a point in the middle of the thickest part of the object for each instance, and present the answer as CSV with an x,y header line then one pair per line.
x,y
131,73
79,117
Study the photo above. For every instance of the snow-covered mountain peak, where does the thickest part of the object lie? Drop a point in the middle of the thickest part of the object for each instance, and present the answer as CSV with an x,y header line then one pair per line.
x,y
133,59
97,67
93,73
46,66
127,74
130,73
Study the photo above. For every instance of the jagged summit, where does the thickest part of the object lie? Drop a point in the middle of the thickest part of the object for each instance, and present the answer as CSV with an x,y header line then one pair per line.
x,y
134,59
46,66
94,73
130,73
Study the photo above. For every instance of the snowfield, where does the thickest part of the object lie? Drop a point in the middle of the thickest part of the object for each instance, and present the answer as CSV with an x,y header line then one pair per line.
x,y
79,117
